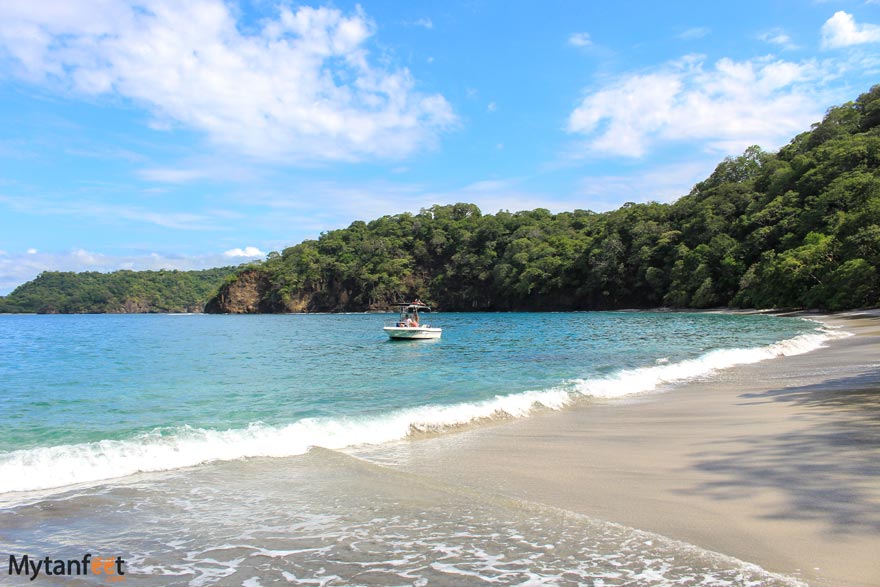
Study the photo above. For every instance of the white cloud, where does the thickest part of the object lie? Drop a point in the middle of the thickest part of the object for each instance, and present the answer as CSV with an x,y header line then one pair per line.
x,y
492,107
251,252
777,37
841,30
694,33
300,88
580,40
724,108
424,23
32,251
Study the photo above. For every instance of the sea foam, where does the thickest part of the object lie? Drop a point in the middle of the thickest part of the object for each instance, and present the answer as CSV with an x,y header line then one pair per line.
x,y
168,449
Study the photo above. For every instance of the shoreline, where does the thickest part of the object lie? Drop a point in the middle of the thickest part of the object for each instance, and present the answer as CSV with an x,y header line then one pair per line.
x,y
801,312
400,424
775,463
413,422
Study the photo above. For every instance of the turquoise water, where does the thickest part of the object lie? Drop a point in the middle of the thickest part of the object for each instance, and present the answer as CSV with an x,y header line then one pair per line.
x,y
182,444
153,381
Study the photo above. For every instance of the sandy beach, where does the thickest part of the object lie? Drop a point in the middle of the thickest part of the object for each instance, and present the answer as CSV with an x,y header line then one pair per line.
x,y
775,463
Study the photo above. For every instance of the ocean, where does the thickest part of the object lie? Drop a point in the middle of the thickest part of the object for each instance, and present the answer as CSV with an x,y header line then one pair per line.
x,y
221,449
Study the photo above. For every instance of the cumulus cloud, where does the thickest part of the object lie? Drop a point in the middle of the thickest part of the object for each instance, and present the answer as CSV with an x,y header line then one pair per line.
x,y
248,252
841,30
300,87
726,106
580,40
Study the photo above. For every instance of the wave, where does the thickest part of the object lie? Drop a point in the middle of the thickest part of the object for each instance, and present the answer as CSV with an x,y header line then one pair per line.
x,y
168,449
650,378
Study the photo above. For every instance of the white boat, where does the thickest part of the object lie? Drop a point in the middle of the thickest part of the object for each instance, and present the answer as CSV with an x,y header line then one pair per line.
x,y
409,326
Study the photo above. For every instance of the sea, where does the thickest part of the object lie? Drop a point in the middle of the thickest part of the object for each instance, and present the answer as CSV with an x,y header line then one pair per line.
x,y
223,450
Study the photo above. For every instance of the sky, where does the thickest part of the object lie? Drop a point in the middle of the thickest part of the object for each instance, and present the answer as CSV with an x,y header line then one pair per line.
x,y
184,135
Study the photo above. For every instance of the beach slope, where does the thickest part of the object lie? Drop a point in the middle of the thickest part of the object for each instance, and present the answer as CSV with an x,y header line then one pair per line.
x,y
776,463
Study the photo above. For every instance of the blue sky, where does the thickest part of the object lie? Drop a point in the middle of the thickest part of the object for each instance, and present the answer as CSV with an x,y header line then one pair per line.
x,y
159,133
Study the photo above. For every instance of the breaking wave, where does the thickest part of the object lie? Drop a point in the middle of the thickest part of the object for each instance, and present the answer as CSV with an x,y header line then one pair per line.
x,y
174,448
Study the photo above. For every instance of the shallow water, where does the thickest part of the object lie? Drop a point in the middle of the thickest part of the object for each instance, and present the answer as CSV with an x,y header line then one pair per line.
x,y
86,398
328,519
182,444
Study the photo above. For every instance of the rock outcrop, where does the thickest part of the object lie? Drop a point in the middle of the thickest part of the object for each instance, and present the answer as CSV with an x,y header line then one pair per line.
x,y
252,292
243,295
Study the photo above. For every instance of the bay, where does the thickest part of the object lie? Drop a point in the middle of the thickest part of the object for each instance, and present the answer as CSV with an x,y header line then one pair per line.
x,y
87,397
188,445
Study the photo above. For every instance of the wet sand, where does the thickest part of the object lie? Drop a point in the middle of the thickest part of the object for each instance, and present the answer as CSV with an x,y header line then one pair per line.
x,y
775,463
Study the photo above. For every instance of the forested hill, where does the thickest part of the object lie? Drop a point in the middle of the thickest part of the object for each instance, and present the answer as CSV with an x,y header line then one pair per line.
x,y
799,228
121,291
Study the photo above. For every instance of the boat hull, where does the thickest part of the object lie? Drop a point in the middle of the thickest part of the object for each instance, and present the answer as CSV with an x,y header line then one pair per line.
x,y
412,333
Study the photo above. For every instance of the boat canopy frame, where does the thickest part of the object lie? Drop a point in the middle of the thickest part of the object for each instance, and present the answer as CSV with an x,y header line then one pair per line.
x,y
416,306
411,310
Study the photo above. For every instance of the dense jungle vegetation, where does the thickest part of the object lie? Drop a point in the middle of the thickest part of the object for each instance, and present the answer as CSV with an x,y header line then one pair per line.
x,y
798,228
793,229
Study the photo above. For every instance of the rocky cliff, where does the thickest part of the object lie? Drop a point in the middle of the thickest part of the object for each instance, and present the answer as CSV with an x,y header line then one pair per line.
x,y
244,295
252,292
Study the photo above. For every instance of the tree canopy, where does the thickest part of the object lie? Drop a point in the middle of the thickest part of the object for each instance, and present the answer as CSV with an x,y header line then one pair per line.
x,y
55,292
797,228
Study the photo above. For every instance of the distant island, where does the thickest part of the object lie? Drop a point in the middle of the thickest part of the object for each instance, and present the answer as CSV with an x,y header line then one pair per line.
x,y
795,229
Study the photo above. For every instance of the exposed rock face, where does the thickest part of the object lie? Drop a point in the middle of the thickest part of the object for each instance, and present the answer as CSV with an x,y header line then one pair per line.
x,y
251,292
301,302
134,306
244,295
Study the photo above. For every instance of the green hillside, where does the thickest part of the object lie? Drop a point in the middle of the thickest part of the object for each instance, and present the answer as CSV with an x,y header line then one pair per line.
x,y
798,228
56,292
795,229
